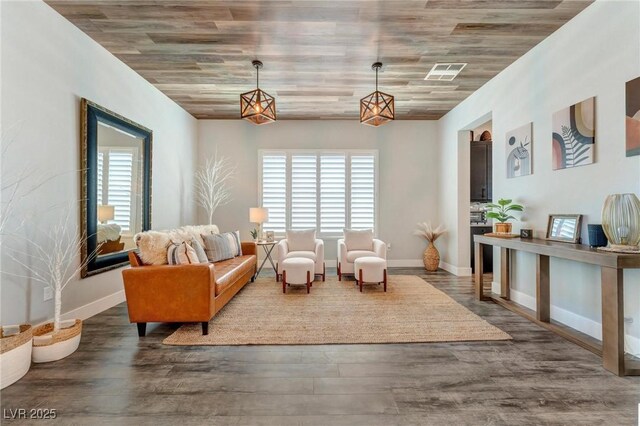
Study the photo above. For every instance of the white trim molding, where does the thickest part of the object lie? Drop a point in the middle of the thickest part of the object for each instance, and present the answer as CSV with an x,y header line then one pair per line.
x,y
460,271
95,307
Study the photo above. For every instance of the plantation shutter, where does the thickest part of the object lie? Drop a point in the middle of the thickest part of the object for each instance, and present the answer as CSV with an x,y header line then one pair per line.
x,y
120,179
363,186
332,193
274,191
100,177
303,191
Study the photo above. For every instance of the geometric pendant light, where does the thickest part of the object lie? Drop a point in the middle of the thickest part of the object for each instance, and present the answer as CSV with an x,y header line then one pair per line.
x,y
258,106
377,108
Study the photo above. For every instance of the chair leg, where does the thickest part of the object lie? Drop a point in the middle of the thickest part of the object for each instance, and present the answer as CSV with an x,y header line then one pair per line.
x,y
324,271
277,274
284,281
360,280
308,281
385,280
205,328
142,329
339,272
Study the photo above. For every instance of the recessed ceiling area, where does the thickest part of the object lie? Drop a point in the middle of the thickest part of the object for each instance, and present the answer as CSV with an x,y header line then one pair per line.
x,y
317,55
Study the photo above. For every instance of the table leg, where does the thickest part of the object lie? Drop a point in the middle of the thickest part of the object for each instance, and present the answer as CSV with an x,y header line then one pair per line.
x,y
479,269
505,272
267,251
543,301
612,320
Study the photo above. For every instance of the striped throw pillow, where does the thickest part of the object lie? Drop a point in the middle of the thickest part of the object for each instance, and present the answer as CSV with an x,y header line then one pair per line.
x,y
222,246
181,254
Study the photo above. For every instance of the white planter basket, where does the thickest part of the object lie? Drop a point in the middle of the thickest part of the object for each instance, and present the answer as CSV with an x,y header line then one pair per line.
x,y
15,353
48,347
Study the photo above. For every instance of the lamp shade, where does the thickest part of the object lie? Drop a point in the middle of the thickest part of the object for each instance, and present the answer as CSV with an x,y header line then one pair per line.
x,y
105,213
258,214
621,221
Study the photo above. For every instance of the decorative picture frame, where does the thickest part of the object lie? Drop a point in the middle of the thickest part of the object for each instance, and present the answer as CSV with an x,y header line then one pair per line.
x,y
270,236
564,228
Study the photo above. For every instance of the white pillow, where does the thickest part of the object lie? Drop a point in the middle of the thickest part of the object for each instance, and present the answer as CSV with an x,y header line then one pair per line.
x,y
302,240
181,254
358,240
153,246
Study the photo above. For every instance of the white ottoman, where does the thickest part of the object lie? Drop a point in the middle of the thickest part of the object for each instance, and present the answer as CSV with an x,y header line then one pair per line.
x,y
370,269
297,270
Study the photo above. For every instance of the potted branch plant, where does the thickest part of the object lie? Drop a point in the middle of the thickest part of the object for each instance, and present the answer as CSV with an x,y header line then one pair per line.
x,y
52,260
431,256
501,213
212,184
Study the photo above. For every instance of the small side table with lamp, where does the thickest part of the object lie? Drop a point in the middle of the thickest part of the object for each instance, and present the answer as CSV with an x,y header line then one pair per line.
x,y
260,215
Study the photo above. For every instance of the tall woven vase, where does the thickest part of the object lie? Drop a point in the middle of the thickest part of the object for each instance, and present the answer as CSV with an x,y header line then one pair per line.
x,y
431,258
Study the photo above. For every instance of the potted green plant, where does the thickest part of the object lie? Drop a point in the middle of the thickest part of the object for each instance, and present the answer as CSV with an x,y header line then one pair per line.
x,y
254,234
501,213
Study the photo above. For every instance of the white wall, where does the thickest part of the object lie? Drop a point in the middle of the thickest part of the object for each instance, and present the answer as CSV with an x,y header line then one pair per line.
x,y
47,66
592,55
408,160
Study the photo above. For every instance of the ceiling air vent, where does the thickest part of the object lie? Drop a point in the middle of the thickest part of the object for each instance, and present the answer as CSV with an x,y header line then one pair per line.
x,y
444,72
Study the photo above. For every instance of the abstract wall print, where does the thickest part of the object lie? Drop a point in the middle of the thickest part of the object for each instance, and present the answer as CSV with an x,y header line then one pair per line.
x,y
574,135
520,151
633,117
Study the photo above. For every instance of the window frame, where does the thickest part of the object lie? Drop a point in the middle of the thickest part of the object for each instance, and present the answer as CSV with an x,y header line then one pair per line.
x,y
348,153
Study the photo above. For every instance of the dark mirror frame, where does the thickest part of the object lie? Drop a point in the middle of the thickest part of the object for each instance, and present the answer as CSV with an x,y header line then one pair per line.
x,y
91,115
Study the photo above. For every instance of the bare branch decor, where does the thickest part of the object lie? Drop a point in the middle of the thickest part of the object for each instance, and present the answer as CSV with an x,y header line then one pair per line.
x,y
212,184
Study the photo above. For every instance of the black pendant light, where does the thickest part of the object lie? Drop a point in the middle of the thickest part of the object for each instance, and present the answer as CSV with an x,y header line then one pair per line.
x,y
377,108
258,106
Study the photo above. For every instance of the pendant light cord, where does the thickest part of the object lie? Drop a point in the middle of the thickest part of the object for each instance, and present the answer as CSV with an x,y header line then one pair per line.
x,y
376,79
257,77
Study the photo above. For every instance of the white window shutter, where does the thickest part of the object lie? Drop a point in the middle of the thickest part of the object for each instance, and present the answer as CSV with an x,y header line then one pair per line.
x,y
120,179
332,193
363,187
100,177
274,191
303,191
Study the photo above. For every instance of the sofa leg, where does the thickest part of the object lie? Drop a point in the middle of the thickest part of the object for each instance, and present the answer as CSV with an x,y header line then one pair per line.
x,y
253,278
205,328
142,329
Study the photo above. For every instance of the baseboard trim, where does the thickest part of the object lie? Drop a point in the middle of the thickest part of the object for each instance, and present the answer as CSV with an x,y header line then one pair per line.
x,y
95,307
571,319
456,270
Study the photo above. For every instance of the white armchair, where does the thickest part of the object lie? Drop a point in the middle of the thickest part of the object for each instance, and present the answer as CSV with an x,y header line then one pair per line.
x,y
346,257
301,244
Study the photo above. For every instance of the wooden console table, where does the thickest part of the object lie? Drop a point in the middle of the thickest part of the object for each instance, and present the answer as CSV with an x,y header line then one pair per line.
x,y
611,264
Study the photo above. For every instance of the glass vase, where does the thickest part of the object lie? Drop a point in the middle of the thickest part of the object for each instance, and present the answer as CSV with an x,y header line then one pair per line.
x,y
621,221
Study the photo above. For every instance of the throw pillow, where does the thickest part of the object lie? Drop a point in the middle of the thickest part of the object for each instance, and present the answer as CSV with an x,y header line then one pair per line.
x,y
222,246
358,239
199,249
302,240
181,254
152,246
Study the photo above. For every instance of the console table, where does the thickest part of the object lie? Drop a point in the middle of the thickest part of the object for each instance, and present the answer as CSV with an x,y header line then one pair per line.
x,y
612,266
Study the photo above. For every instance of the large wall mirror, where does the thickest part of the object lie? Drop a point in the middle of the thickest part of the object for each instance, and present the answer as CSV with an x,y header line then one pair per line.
x,y
116,185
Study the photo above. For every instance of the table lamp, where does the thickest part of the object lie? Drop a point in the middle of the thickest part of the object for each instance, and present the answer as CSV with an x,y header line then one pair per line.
x,y
105,213
259,215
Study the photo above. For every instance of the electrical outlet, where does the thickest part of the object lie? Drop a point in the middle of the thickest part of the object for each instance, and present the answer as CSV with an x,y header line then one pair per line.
x,y
628,320
48,293
388,246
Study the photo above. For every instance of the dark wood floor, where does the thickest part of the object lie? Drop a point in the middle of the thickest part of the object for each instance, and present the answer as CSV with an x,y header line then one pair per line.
x,y
538,378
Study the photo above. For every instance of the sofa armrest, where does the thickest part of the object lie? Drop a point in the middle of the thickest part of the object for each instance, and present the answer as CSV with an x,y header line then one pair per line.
x,y
319,252
170,292
281,252
380,248
249,248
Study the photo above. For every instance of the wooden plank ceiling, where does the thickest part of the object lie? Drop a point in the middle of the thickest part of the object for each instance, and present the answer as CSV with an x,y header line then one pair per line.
x,y
317,54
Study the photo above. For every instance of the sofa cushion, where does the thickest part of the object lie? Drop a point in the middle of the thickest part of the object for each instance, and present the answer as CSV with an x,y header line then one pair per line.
x,y
305,254
181,254
227,272
358,239
220,246
302,240
352,255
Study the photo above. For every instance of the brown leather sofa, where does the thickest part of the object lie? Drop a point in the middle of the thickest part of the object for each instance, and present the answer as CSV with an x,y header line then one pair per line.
x,y
185,293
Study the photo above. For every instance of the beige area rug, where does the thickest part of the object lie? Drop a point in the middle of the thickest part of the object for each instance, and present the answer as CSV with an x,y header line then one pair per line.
x,y
336,312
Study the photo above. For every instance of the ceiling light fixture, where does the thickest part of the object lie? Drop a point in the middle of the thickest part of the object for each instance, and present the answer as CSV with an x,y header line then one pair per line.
x,y
258,106
378,108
